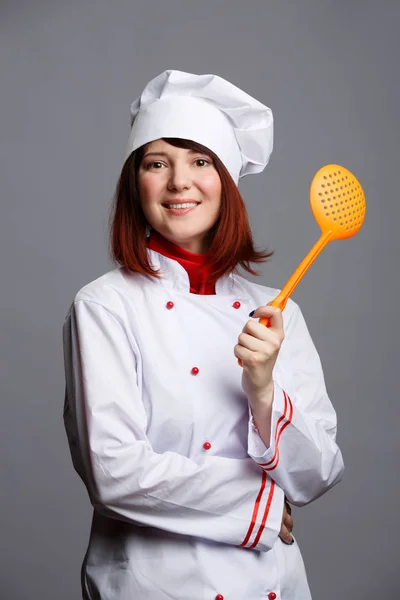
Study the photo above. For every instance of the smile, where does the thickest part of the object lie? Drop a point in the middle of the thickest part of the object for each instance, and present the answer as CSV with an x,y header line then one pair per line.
x,y
181,205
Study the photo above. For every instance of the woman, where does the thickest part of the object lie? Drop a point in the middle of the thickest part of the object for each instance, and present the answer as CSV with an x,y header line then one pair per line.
x,y
187,456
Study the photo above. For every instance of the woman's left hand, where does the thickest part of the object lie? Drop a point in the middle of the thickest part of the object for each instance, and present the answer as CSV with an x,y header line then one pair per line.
x,y
258,349
287,524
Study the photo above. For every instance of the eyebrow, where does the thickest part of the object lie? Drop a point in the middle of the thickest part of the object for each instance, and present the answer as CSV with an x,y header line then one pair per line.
x,y
165,154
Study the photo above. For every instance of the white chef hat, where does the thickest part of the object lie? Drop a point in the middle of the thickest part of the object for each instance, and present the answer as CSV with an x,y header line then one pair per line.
x,y
205,109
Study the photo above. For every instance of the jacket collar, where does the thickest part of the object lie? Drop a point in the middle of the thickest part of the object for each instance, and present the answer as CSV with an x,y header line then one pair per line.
x,y
176,277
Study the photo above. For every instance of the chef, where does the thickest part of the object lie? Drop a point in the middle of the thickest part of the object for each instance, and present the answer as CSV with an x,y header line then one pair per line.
x,y
187,455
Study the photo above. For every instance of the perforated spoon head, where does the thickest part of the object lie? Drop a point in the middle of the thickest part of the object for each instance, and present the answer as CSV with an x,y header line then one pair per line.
x,y
337,202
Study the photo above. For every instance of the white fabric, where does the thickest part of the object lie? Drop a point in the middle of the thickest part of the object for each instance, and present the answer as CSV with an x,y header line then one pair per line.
x,y
170,516
209,110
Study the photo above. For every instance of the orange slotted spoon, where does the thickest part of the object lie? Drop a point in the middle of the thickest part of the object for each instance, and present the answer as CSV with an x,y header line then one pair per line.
x,y
338,205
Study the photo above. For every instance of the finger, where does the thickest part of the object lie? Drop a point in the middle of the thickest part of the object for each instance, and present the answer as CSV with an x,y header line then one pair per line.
x,y
251,342
267,346
252,358
288,522
266,310
258,330
245,355
288,507
285,535
272,312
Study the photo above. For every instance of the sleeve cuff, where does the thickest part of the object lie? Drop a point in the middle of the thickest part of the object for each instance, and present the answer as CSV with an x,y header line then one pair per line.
x,y
282,412
266,518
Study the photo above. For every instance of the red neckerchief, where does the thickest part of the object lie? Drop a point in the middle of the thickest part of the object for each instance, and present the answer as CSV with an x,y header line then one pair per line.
x,y
194,264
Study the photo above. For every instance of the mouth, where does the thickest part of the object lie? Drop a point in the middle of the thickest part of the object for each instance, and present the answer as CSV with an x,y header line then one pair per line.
x,y
177,205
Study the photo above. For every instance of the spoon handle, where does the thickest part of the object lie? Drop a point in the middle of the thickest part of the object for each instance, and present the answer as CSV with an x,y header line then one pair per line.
x,y
281,299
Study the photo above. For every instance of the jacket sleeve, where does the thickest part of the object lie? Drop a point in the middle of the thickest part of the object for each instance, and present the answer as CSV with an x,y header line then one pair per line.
x,y
226,500
303,457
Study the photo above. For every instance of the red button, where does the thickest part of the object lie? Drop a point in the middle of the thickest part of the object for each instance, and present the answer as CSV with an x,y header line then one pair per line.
x,y
206,445
236,304
170,305
272,596
194,371
219,597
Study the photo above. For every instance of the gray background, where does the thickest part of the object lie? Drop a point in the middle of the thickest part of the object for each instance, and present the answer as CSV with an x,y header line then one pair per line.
x,y
330,72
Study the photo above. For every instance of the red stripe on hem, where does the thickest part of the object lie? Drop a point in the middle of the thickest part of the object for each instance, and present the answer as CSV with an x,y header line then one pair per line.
x,y
256,509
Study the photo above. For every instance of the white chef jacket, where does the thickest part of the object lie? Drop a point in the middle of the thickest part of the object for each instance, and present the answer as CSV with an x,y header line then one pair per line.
x,y
187,499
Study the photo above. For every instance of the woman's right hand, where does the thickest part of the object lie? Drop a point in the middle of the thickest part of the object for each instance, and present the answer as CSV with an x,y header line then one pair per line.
x,y
287,524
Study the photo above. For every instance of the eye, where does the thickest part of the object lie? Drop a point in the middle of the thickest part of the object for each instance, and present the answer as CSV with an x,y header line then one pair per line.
x,y
156,164
204,162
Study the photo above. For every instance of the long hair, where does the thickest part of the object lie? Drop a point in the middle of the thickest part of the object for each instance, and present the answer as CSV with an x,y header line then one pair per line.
x,y
232,242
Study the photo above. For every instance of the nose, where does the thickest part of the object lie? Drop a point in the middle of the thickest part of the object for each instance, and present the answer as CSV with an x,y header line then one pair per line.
x,y
180,178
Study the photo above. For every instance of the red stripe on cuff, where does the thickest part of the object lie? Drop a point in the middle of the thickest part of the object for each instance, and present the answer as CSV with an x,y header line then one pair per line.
x,y
279,437
281,418
266,512
256,509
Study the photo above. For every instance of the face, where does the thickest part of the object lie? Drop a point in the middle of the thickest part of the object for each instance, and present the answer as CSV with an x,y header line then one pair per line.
x,y
180,194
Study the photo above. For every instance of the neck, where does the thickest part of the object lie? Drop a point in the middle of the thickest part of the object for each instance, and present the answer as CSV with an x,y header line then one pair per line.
x,y
159,243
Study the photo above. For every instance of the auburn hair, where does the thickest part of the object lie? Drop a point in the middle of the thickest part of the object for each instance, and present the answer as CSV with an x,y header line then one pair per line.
x,y
231,238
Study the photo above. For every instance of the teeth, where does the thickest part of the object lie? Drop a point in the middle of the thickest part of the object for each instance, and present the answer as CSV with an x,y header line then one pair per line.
x,y
186,205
